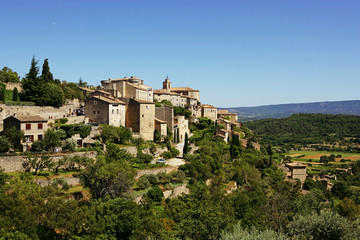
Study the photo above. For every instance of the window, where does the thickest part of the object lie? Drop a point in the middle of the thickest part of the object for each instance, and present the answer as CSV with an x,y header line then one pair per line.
x,y
40,126
95,102
29,138
94,112
28,126
142,115
40,137
147,107
113,111
117,111
98,112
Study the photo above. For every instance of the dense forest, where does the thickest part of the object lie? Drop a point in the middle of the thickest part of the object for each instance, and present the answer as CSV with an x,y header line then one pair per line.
x,y
234,193
307,129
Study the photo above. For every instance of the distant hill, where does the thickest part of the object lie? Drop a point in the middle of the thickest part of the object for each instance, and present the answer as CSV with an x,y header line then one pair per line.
x,y
286,110
307,129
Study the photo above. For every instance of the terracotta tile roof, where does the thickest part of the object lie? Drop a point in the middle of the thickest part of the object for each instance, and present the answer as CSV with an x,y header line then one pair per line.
x,y
164,92
109,100
30,118
142,101
182,89
102,91
207,106
295,165
143,87
160,121
86,89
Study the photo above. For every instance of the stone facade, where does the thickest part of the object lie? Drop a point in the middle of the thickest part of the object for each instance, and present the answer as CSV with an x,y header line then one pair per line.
x,y
132,87
140,117
209,111
33,127
225,113
105,110
181,126
296,171
44,112
161,126
165,113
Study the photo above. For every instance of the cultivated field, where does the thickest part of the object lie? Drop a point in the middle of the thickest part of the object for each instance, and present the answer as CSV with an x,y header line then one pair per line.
x,y
305,156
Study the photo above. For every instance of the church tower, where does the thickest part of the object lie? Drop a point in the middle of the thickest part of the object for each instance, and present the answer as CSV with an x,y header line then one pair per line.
x,y
167,84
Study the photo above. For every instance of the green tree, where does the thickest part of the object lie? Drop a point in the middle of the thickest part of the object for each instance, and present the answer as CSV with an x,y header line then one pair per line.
x,y
52,95
186,144
2,92
108,179
51,140
37,164
5,144
15,136
69,145
8,75
82,83
157,136
239,232
46,75
155,193
15,96
31,88
324,226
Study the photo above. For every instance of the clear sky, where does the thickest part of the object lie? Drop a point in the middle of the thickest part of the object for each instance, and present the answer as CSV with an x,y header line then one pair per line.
x,y
236,52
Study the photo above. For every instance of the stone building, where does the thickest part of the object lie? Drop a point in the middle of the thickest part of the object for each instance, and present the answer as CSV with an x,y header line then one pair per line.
x,y
160,125
208,111
140,117
34,128
165,113
178,96
181,127
132,87
296,170
101,108
222,113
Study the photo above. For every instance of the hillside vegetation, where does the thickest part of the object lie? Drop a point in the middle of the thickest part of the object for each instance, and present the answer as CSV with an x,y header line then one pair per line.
x,y
305,129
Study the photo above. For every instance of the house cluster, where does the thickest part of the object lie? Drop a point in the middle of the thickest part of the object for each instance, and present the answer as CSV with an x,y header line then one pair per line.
x,y
130,103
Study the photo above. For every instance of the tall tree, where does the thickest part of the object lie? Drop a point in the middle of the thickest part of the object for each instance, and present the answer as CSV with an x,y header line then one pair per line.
x,y
186,145
31,83
15,97
46,75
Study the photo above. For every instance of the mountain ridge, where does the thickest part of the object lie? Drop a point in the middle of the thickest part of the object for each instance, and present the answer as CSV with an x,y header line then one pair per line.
x,y
348,107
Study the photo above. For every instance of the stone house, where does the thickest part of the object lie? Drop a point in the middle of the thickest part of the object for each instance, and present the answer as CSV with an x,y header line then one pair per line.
x,y
132,87
101,108
208,111
223,134
222,113
34,128
140,117
165,113
161,126
181,126
178,96
296,170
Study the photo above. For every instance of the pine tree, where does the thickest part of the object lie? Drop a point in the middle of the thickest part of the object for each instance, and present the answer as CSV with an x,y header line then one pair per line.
x,y
15,97
186,145
31,83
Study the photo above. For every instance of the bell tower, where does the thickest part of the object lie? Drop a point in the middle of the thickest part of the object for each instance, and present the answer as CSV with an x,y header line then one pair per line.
x,y
167,84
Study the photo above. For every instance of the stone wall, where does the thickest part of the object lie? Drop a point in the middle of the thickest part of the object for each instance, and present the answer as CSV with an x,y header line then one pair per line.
x,y
14,163
166,114
11,86
44,112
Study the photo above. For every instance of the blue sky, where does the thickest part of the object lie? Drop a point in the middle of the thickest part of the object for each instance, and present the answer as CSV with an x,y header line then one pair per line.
x,y
237,53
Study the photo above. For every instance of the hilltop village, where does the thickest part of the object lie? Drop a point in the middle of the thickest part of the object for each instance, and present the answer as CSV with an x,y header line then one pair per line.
x,y
126,102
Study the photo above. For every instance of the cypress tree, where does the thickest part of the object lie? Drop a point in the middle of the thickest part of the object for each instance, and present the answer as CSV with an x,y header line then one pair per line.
x,y
15,97
2,92
46,75
186,145
178,136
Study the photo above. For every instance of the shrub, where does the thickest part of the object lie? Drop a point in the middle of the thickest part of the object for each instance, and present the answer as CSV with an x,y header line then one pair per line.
x,y
63,120
69,145
5,144
155,193
143,182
